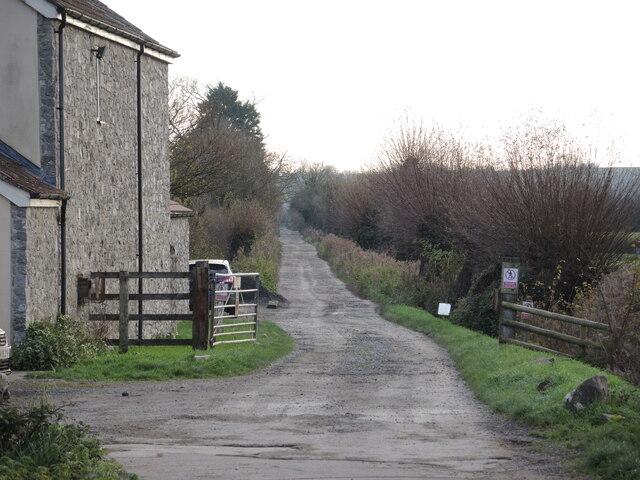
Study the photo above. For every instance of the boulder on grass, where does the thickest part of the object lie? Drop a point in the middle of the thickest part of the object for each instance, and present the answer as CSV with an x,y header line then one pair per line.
x,y
594,389
542,386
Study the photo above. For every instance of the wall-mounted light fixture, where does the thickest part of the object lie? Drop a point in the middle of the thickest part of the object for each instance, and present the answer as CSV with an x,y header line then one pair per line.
x,y
99,51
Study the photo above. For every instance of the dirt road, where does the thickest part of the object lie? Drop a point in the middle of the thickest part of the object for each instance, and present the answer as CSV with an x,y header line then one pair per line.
x,y
359,398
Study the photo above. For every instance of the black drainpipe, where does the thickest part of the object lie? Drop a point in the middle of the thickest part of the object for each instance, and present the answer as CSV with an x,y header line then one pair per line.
x,y
139,119
63,209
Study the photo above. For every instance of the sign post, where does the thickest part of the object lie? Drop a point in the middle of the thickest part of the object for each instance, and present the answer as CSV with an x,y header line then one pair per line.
x,y
508,293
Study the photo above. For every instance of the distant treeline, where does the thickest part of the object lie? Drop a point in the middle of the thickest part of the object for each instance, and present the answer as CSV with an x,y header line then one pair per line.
x,y
458,209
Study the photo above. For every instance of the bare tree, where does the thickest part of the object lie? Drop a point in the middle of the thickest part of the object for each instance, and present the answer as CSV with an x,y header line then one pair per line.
x,y
543,200
356,212
202,154
219,161
418,182
184,97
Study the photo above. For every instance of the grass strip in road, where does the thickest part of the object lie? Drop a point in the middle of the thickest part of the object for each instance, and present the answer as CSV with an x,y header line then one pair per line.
x,y
174,362
506,378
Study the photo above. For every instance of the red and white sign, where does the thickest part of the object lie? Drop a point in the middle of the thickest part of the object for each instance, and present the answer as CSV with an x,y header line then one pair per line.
x,y
525,315
509,278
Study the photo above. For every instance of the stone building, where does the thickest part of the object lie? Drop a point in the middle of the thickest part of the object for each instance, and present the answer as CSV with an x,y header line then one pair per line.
x,y
84,169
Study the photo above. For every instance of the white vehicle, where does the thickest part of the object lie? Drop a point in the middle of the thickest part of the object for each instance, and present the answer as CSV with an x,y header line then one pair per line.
x,y
224,283
5,353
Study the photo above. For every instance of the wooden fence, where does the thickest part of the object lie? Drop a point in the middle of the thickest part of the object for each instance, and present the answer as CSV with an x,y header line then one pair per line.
x,y
200,295
507,316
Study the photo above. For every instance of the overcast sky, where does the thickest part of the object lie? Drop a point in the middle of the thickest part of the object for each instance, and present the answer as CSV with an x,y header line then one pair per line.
x,y
333,78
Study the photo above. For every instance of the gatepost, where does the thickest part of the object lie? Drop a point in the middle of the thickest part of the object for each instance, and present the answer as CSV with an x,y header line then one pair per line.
x,y
200,331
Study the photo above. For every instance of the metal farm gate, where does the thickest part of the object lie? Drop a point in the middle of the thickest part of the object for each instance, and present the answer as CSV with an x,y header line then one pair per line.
x,y
234,311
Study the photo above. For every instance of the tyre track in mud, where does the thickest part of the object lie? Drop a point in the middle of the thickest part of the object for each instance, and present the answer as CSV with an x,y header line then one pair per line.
x,y
359,398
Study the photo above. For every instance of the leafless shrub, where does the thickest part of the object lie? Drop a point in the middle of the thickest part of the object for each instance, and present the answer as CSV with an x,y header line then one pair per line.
x,y
102,330
539,197
616,302
418,183
248,221
209,235
543,200
356,211
229,230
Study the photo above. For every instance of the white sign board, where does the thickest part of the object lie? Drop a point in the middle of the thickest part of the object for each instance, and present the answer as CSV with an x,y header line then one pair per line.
x,y
444,309
525,315
509,278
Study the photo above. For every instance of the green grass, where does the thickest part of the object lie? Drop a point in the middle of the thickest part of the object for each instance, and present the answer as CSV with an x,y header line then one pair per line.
x,y
504,377
173,362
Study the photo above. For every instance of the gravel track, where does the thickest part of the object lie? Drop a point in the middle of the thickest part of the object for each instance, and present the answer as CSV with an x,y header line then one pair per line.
x,y
359,398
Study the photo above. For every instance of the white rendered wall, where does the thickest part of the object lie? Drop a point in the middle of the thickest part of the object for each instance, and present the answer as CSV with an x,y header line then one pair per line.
x,y
19,94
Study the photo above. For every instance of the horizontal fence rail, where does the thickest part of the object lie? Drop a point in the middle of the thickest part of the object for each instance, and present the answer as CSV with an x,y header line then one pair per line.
x,y
148,296
556,316
208,299
581,341
153,342
134,317
136,275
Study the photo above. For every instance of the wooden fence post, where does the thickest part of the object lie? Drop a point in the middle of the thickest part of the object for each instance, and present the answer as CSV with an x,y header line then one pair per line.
x,y
124,312
583,336
508,293
200,301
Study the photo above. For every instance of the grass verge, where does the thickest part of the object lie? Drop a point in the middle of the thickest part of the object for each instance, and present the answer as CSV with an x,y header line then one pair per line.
x,y
505,377
173,362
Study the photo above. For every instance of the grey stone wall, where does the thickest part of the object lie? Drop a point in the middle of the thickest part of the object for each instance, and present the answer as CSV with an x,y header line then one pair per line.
x,y
42,288
100,160
101,169
179,258
18,272
101,178
155,173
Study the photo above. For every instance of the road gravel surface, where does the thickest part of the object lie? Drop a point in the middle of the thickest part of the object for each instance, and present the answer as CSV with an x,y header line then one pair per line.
x,y
359,398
